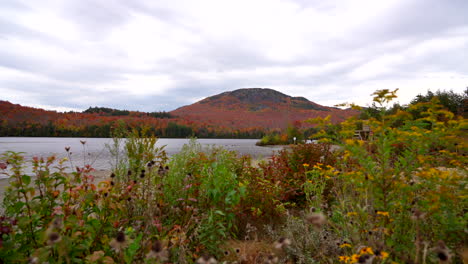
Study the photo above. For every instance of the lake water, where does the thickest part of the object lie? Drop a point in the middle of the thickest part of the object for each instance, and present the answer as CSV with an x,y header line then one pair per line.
x,y
96,153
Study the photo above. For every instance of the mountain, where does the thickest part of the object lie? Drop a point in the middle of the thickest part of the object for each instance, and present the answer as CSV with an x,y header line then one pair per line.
x,y
257,107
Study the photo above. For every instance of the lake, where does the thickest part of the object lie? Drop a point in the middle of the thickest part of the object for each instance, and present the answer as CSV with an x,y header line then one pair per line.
x,y
96,153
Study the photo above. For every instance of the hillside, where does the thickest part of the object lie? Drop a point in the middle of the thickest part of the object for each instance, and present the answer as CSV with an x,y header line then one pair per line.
x,y
257,107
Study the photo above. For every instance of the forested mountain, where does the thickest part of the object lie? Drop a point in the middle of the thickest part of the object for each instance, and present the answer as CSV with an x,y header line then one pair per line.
x,y
261,107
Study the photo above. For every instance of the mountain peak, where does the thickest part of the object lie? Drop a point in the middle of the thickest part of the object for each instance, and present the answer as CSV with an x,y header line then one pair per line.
x,y
257,107
261,98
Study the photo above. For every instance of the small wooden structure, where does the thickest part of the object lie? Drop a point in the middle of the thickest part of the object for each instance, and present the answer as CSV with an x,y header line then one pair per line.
x,y
364,134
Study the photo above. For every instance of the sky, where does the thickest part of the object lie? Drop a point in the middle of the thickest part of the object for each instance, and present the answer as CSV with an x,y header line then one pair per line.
x,y
158,55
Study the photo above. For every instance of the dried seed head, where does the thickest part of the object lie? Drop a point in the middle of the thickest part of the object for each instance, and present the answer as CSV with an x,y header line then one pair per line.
x,y
417,215
120,237
316,219
442,252
282,243
207,260
53,238
158,252
270,259
33,260
119,242
57,223
366,259
156,247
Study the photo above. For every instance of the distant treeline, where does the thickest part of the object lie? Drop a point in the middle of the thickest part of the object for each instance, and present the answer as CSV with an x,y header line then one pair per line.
x,y
116,112
172,130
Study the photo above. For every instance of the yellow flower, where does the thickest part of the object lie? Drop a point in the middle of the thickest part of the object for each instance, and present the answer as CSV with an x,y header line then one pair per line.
x,y
305,165
383,213
355,258
382,255
343,259
318,166
351,213
366,250
345,245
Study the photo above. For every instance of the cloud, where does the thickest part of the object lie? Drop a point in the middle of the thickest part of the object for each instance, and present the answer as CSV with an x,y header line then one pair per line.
x,y
152,55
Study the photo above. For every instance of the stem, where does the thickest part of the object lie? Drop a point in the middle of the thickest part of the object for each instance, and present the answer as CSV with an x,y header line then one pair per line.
x,y
31,228
417,243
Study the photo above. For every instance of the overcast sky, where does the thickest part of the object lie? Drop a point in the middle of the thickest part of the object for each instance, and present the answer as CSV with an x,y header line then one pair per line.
x,y
154,55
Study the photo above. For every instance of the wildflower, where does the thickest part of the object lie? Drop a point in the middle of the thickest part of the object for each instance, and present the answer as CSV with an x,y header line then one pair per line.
x,y
351,213
316,219
381,254
282,243
366,250
443,253
305,165
354,258
344,259
345,245
119,242
53,238
158,252
382,213
207,260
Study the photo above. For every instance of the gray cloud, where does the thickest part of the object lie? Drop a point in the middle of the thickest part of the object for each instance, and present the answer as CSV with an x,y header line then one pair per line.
x,y
149,56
